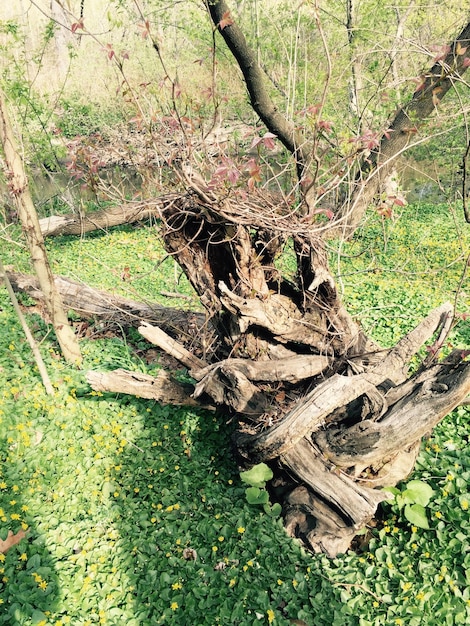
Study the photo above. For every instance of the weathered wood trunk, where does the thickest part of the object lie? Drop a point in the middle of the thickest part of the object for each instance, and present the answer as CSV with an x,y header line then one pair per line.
x,y
333,414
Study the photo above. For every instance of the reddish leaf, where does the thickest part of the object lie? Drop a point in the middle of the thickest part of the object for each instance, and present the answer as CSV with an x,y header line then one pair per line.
x,y
268,140
109,51
326,126
11,540
397,200
466,62
326,212
385,211
442,52
256,141
208,93
226,20
76,26
460,51
254,170
145,29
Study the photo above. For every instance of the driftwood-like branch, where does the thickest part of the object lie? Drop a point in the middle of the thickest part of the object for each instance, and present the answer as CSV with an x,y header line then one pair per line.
x,y
161,388
230,387
277,314
81,223
159,338
291,369
332,506
90,303
406,422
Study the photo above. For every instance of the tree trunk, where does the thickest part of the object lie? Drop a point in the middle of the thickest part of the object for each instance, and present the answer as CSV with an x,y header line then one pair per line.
x,y
63,38
19,189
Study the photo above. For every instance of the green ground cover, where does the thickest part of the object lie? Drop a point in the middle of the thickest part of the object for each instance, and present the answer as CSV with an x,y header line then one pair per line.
x,y
118,494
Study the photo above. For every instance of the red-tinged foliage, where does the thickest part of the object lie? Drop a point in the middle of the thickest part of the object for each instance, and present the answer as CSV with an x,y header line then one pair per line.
x,y
325,126
227,172
328,213
109,51
254,170
144,29
267,140
226,20
77,26
11,540
385,210
441,52
310,111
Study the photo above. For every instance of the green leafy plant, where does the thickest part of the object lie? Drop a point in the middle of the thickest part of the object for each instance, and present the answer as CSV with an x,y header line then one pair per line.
x,y
256,493
413,501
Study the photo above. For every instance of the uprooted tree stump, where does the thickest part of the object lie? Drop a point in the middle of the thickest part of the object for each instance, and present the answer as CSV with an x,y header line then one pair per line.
x,y
335,416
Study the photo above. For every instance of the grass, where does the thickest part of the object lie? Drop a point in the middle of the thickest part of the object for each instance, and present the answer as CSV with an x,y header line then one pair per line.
x,y
117,494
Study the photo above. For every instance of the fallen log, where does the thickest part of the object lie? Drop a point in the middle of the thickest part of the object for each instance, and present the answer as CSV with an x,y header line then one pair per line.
x,y
90,303
162,388
81,223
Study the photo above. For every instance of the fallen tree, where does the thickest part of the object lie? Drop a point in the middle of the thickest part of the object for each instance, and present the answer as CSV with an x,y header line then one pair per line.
x,y
336,416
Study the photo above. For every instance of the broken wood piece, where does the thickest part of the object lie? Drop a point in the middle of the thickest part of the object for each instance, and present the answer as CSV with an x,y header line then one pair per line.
x,y
306,417
312,521
339,507
159,338
405,423
81,223
90,303
276,313
311,412
161,388
230,386
291,369
396,363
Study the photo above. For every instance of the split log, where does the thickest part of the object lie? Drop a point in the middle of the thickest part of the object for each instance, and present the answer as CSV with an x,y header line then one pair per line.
x,y
337,506
90,303
434,394
162,388
292,369
159,338
81,223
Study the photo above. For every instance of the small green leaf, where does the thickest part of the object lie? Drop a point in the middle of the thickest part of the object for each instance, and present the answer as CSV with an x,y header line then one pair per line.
x,y
416,515
273,510
255,495
417,492
38,616
391,493
257,476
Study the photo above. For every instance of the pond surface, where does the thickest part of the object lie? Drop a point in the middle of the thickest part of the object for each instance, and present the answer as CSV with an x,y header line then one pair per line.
x,y
419,181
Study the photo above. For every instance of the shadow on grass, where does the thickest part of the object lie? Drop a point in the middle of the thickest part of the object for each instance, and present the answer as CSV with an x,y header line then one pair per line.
x,y
136,512
188,546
